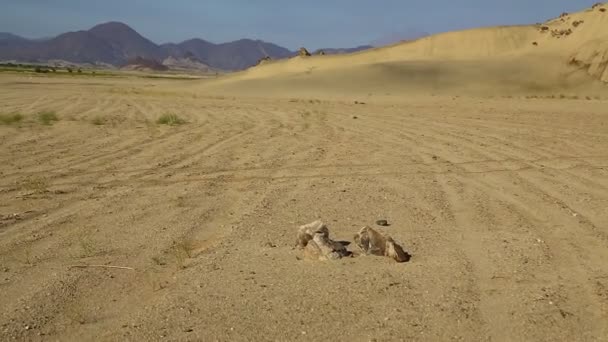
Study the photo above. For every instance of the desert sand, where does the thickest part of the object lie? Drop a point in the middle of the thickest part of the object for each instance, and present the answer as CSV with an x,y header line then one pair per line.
x,y
498,192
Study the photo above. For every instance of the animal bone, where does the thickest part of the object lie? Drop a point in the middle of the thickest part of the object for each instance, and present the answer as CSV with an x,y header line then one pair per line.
x,y
373,242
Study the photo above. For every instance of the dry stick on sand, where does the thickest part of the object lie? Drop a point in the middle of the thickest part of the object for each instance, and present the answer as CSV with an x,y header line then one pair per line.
x,y
102,266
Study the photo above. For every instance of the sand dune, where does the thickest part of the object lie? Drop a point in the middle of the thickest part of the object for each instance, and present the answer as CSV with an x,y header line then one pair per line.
x,y
509,60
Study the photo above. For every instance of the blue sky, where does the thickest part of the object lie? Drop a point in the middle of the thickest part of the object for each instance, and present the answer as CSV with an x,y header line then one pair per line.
x,y
310,23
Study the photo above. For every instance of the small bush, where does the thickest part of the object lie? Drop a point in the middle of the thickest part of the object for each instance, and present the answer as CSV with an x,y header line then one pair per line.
x,y
170,119
9,119
34,184
99,121
47,118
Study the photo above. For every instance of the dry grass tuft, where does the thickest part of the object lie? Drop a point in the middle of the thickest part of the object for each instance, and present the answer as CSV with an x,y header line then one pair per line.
x,y
10,119
47,118
170,119
99,121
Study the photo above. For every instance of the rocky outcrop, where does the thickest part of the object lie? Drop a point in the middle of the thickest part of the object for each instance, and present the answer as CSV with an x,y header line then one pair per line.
x,y
314,239
303,52
373,242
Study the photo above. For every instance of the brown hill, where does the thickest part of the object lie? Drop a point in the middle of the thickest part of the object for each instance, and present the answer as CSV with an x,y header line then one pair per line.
x,y
187,63
140,63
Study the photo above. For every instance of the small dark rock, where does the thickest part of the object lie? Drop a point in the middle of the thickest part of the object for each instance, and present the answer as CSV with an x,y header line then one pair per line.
x,y
382,223
355,117
269,245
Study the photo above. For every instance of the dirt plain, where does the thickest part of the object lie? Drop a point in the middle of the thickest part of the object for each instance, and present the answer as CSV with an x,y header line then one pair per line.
x,y
501,202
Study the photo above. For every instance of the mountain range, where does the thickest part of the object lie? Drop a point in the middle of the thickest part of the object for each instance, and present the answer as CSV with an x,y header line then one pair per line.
x,y
117,44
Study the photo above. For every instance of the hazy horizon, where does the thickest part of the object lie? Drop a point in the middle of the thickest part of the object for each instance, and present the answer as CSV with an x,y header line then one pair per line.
x,y
312,24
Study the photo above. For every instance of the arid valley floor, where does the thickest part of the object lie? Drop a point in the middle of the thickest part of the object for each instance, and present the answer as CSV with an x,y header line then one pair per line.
x,y
501,202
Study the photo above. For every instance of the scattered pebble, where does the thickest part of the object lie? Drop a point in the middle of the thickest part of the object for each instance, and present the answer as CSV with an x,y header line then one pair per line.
x,y
382,223
269,244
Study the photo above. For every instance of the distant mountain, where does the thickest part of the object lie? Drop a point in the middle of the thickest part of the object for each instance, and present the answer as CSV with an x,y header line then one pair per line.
x,y
78,47
119,45
111,43
5,36
236,55
195,47
187,62
127,42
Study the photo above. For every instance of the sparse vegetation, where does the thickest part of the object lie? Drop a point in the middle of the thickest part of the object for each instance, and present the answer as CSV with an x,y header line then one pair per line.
x,y
9,119
158,261
182,251
88,248
47,117
36,185
170,119
99,121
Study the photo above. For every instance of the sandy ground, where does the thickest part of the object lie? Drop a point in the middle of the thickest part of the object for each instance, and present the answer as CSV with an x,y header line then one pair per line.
x,y
502,203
